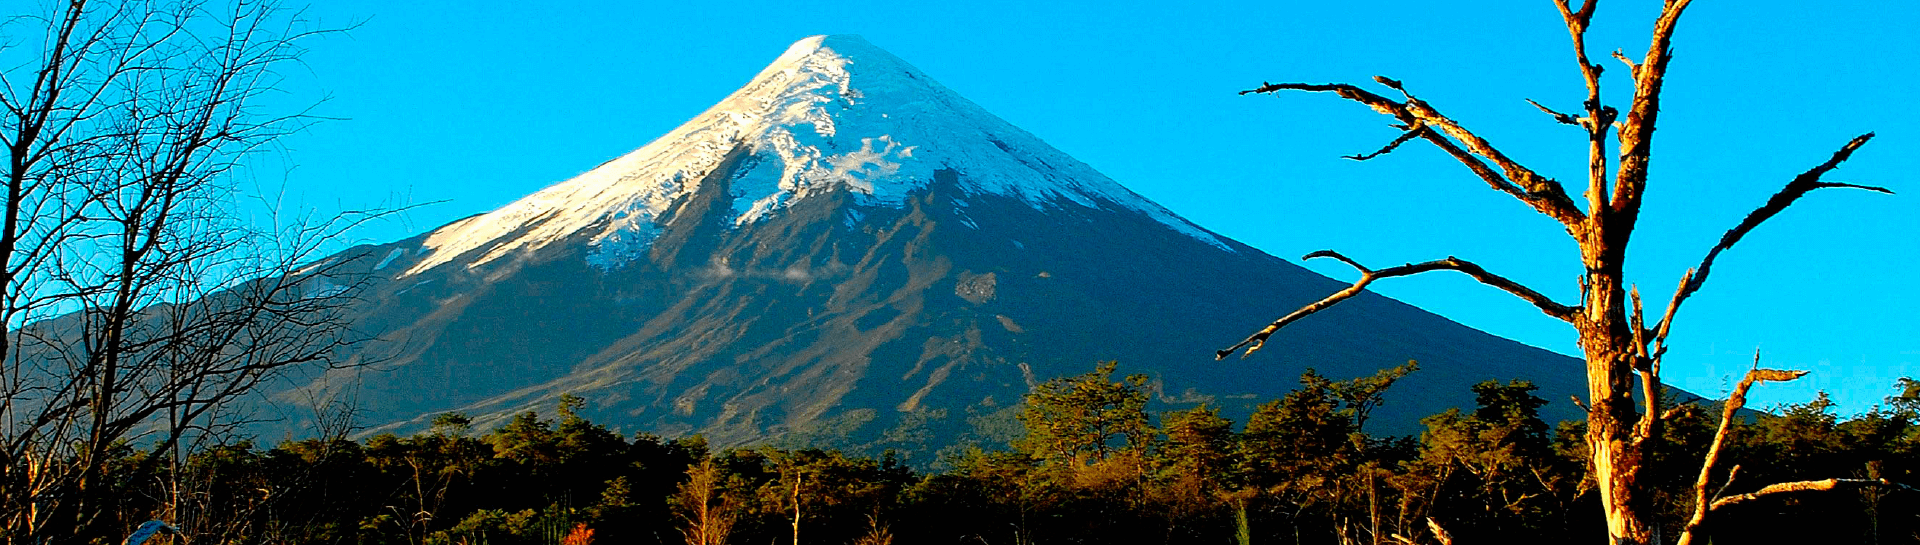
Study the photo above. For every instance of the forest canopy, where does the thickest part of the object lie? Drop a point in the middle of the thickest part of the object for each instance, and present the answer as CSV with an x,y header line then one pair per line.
x,y
1094,464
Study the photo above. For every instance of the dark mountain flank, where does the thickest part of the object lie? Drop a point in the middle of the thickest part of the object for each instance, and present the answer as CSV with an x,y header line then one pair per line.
x,y
845,253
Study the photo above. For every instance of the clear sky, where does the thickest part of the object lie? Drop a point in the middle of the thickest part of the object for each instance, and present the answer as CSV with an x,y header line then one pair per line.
x,y
479,103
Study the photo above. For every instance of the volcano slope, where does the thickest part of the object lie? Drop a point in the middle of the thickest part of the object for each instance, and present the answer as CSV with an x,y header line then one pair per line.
x,y
846,254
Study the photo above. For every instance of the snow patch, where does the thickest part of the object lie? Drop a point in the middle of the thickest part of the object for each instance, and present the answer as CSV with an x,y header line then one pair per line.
x,y
388,260
313,267
415,285
614,249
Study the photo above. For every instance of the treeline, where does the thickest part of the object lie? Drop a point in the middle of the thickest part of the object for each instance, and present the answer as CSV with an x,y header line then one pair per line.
x,y
1094,466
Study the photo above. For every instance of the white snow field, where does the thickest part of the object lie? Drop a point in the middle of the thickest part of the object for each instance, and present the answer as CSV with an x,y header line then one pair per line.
x,y
831,111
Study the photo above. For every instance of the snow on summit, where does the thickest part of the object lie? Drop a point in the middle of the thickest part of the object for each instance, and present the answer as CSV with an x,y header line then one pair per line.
x,y
831,111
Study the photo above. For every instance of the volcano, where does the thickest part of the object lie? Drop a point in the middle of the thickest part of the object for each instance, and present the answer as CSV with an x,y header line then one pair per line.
x,y
845,253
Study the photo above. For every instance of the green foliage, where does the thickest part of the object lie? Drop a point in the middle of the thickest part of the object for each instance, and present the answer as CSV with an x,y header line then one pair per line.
x,y
1199,451
1361,395
1908,402
1087,418
452,423
1090,469
1302,439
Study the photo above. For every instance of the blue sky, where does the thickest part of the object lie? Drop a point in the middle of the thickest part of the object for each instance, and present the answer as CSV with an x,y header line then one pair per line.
x,y
478,103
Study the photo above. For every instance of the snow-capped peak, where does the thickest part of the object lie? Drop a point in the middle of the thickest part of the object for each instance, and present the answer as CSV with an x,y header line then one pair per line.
x,y
831,111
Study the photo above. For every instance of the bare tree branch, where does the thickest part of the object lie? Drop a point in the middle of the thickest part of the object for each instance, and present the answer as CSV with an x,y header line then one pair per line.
x,y
1599,117
1734,403
1651,415
1543,194
1557,116
1800,186
1254,342
1804,486
1402,139
1636,131
1732,473
1633,68
1439,534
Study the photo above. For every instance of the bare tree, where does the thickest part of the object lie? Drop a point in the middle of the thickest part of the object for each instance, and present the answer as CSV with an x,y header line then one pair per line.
x,y
138,302
705,506
1616,337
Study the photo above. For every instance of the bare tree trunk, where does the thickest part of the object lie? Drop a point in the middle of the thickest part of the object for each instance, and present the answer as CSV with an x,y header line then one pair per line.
x,y
796,507
1373,509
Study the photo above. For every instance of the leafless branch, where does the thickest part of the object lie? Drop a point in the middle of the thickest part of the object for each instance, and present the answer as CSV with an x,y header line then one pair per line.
x,y
1650,416
1254,342
1804,486
1633,68
1439,534
1732,473
1599,117
1636,131
1800,186
1734,403
1544,195
1402,139
1557,116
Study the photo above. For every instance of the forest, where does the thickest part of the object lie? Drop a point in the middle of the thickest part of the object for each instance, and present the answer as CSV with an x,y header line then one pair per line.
x,y
1093,465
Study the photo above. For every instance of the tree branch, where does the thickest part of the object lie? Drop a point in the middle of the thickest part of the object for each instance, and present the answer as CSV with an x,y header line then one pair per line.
x,y
1649,370
1733,405
1410,134
1732,473
1439,534
1599,117
1636,131
1254,342
1804,486
1801,185
1557,116
1633,68
1544,195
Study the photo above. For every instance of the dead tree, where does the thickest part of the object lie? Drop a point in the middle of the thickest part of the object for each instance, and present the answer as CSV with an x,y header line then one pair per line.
x,y
706,508
138,302
1616,337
